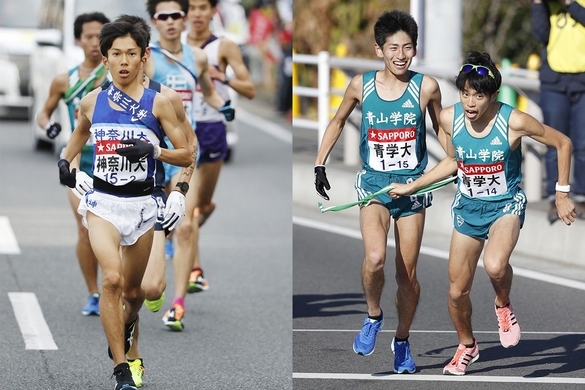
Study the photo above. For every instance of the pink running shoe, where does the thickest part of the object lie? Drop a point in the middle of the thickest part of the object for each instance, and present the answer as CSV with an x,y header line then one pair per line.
x,y
508,326
464,356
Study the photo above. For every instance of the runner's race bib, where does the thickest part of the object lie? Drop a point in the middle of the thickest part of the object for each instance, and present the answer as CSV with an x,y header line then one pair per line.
x,y
392,149
482,180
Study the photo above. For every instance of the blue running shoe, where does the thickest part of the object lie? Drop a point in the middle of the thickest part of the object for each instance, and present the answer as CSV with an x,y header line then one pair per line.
x,y
365,341
93,306
402,360
169,249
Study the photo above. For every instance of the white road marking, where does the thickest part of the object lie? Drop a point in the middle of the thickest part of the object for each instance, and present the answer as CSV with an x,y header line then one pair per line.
x,y
8,243
352,233
518,271
34,328
437,378
266,126
435,331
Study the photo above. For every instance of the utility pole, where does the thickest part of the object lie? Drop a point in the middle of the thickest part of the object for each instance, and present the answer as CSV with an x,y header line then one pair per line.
x,y
443,30
417,10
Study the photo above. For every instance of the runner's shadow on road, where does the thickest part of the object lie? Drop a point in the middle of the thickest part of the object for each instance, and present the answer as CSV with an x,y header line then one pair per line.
x,y
323,305
559,355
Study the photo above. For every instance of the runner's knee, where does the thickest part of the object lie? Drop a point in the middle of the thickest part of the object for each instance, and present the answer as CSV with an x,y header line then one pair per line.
x,y
112,281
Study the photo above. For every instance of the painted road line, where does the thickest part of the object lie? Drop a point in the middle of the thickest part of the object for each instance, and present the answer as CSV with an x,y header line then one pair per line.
x,y
266,126
8,243
34,328
436,378
435,331
518,271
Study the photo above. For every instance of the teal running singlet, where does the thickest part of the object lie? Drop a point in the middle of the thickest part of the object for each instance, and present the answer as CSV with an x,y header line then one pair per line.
x,y
393,133
487,167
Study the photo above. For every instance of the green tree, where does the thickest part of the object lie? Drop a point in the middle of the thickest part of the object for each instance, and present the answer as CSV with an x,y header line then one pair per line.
x,y
500,27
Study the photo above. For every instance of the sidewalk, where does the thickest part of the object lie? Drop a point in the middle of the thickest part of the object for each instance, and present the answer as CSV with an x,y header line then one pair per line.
x,y
550,246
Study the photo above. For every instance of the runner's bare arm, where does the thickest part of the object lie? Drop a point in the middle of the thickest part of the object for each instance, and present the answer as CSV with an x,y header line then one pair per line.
x,y
352,96
430,90
445,168
523,124
209,93
56,92
185,125
165,113
242,83
81,133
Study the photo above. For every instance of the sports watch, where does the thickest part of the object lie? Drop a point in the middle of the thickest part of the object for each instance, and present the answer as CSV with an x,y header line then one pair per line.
x,y
183,186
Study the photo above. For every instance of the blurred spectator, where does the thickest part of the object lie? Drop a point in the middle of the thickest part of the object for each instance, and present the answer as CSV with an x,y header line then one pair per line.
x,y
265,51
559,25
284,92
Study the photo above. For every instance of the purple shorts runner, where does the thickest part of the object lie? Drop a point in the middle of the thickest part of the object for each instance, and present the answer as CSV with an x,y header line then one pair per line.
x,y
212,141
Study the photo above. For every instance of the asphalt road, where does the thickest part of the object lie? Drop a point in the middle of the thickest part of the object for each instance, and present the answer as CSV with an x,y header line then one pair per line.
x,y
329,309
237,334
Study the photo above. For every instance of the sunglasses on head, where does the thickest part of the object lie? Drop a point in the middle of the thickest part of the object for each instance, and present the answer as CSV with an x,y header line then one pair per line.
x,y
479,69
175,15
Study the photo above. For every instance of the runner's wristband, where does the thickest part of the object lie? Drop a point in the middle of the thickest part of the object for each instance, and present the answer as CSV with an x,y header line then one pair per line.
x,y
560,188
157,152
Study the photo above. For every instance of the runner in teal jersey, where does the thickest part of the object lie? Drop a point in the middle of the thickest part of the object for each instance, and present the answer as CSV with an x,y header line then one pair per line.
x,y
483,144
394,102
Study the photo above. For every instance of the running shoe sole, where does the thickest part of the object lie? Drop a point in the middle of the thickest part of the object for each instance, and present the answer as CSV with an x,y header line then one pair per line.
x,y
446,372
177,326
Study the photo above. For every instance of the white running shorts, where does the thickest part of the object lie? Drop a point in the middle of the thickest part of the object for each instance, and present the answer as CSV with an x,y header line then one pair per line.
x,y
132,216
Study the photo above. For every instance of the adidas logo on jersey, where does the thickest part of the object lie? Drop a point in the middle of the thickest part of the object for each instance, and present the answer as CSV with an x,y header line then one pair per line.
x,y
496,141
460,220
407,104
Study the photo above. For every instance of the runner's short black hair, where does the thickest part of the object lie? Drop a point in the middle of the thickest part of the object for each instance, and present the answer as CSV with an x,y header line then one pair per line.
x,y
484,84
86,18
136,20
390,22
114,30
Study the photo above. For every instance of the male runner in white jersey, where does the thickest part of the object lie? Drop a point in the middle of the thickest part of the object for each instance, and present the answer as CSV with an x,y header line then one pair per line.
x,y
211,128
71,87
180,67
154,280
128,123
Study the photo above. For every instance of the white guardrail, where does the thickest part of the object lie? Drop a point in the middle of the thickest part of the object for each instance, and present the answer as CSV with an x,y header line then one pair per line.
x,y
525,82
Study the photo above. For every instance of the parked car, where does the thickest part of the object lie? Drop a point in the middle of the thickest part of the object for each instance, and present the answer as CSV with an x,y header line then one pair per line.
x,y
18,30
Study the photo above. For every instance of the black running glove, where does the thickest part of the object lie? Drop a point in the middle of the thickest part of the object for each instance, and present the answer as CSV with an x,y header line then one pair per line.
x,y
321,181
137,151
228,111
53,130
66,177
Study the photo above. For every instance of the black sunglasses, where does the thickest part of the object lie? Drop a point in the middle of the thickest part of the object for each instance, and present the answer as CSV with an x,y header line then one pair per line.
x,y
175,15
